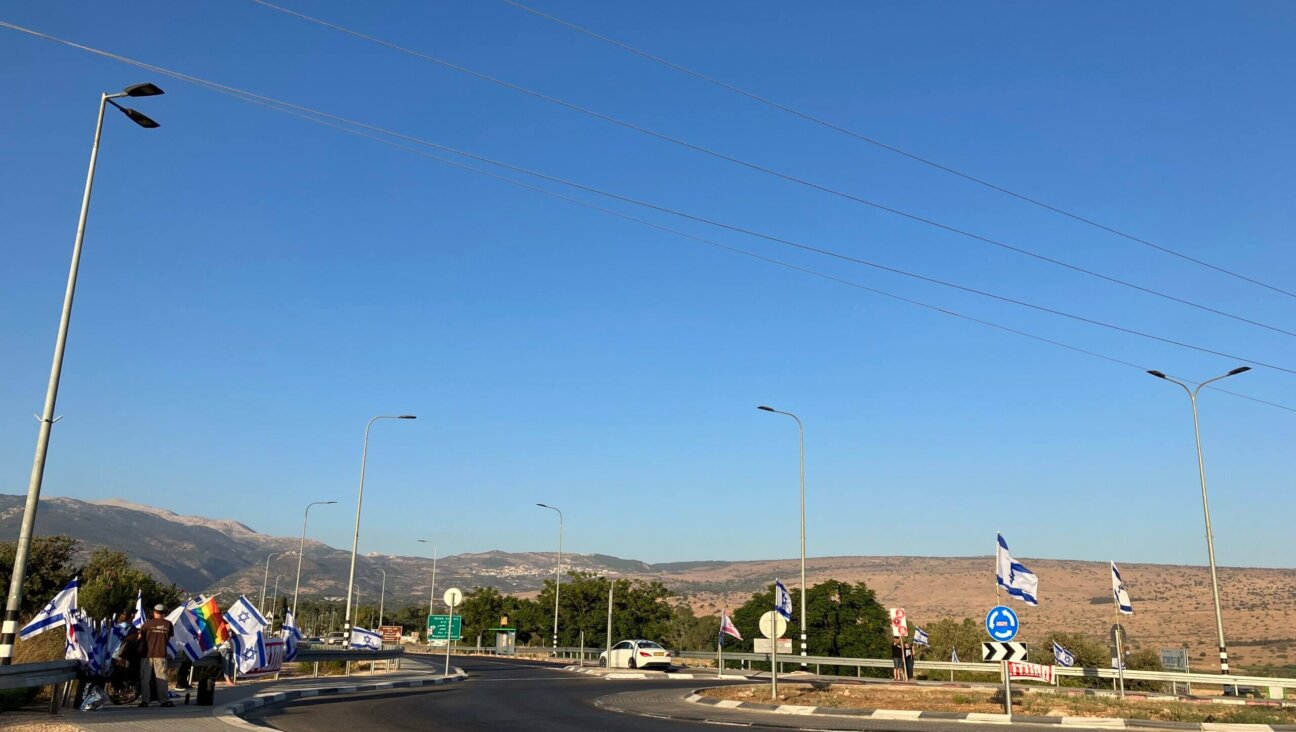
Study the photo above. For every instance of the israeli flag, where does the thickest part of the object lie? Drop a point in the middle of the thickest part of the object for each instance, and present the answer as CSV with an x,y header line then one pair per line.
x,y
249,651
1013,576
244,619
920,637
365,640
953,655
292,636
60,611
782,600
138,620
1062,656
1118,591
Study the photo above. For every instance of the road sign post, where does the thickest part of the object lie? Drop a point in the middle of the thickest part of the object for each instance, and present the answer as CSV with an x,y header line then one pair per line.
x,y
452,597
1004,652
772,626
1002,625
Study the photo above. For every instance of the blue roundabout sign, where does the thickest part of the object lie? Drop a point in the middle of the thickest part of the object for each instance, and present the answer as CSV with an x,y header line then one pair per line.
x,y
1001,623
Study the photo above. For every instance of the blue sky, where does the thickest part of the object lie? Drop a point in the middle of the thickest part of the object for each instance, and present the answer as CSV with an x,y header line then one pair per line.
x,y
255,287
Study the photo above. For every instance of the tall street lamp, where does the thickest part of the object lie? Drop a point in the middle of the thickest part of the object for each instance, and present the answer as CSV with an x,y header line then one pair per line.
x,y
382,598
302,551
10,626
804,590
265,579
274,598
431,592
557,572
355,539
1210,538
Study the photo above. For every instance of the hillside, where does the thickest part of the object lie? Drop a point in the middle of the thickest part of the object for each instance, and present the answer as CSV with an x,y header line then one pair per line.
x,y
1172,603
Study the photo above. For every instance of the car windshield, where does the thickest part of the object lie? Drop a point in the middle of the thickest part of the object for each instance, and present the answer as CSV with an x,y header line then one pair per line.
x,y
648,644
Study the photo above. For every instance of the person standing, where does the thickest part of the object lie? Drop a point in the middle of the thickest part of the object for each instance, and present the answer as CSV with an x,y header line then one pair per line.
x,y
155,633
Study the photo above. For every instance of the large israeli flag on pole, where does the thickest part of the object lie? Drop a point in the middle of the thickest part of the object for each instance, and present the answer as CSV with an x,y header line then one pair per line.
x,y
365,640
1118,590
1013,576
782,600
60,611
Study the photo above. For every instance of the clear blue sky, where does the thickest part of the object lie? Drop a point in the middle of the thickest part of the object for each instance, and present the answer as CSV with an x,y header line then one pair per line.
x,y
255,287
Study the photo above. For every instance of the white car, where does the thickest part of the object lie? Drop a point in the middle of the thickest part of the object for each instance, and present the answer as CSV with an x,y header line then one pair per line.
x,y
636,654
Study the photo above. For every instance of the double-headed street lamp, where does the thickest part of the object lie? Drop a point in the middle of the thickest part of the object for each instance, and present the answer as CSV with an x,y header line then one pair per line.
x,y
355,539
302,551
1210,538
47,419
804,589
557,572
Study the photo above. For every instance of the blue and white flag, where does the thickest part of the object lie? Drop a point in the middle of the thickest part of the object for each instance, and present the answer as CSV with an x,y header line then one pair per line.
x,y
1013,576
920,637
1118,591
953,655
246,634
1062,656
292,636
139,618
782,600
365,640
58,612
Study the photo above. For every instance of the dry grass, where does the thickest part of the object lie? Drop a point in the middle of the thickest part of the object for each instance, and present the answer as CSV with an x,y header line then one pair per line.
x,y
32,722
938,699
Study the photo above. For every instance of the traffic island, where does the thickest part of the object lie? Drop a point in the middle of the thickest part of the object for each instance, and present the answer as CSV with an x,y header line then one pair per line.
x,y
985,704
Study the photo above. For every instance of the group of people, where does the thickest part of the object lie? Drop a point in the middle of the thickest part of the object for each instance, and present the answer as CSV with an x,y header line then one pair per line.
x,y
902,661
146,646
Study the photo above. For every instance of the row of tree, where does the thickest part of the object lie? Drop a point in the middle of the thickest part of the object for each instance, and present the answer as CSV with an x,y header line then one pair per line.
x,y
843,619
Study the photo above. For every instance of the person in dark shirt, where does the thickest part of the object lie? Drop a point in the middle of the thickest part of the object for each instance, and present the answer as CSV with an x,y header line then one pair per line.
x,y
155,633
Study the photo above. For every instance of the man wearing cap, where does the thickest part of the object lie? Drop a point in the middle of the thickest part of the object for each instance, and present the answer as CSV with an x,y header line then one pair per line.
x,y
155,633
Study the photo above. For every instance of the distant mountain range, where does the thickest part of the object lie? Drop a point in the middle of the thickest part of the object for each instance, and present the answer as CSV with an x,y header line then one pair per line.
x,y
1172,603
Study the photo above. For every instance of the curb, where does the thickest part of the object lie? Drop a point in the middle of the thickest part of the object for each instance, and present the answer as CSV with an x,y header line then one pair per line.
x,y
983,718
231,713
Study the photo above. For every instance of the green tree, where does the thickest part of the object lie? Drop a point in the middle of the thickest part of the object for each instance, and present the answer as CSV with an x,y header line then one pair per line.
x,y
481,609
49,568
842,620
109,585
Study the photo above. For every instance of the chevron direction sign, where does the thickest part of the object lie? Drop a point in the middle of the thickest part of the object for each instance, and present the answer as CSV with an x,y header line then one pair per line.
x,y
1003,651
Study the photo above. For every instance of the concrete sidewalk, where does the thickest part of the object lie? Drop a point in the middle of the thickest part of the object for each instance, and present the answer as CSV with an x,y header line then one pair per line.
x,y
232,701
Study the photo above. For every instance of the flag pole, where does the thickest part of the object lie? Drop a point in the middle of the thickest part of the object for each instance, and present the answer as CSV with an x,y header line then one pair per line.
x,y
774,647
1120,654
720,643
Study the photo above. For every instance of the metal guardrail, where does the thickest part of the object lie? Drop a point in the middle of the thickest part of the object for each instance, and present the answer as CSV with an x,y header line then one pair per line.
x,y
26,675
946,666
316,655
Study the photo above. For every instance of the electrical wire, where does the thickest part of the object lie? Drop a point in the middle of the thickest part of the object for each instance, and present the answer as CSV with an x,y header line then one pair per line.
x,y
381,135
894,149
767,170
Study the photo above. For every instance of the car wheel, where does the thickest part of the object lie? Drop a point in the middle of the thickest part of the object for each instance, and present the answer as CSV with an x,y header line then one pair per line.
x,y
633,662
603,662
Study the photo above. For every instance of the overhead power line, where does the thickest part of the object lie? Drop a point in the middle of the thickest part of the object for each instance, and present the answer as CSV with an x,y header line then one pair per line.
x,y
767,170
384,136
897,150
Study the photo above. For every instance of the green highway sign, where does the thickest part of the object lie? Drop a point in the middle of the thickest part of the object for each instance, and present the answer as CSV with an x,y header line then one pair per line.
x,y
439,627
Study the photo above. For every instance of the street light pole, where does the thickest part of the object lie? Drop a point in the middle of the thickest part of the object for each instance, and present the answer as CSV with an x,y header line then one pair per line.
x,y
382,597
557,572
302,551
9,629
431,592
804,590
275,597
265,581
1210,538
355,539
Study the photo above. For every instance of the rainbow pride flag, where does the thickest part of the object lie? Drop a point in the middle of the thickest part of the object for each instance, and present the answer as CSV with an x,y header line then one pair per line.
x,y
211,628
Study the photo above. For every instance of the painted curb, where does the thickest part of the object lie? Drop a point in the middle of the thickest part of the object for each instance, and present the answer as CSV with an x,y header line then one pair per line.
x,y
261,700
981,717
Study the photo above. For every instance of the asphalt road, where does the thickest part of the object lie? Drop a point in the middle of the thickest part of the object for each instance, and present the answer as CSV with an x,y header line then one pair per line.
x,y
526,695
